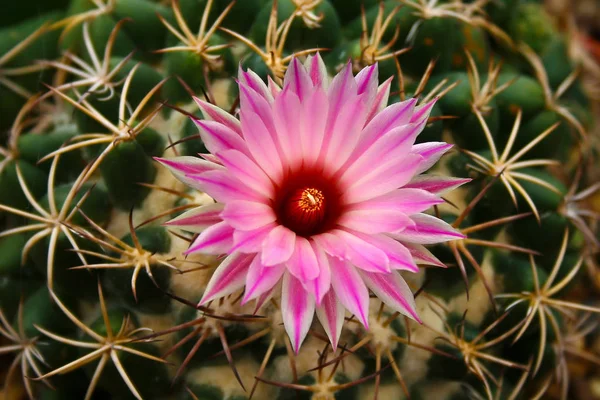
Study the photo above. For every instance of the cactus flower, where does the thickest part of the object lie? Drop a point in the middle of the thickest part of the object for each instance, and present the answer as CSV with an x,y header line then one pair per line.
x,y
320,195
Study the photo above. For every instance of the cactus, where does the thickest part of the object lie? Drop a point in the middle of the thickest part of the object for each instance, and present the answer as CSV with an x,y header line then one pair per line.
x,y
137,262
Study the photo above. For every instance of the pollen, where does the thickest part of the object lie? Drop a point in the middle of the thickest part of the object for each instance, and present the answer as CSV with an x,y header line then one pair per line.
x,y
305,210
311,200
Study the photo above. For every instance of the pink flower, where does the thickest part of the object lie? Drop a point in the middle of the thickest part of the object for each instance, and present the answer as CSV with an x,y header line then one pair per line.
x,y
318,186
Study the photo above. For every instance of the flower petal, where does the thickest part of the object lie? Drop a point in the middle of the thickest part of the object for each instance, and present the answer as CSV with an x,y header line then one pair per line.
x,y
247,215
198,219
263,298
374,220
297,80
393,116
406,201
393,145
332,244
273,87
367,80
182,167
260,279
303,263
342,96
383,179
214,113
431,153
423,256
251,241
297,309
289,120
229,276
381,99
246,170
331,315
344,132
317,70
436,184
253,81
221,186
428,230
218,137
350,289
363,254
218,239
278,246
392,290
399,256
421,113
321,284
261,145
317,106
253,102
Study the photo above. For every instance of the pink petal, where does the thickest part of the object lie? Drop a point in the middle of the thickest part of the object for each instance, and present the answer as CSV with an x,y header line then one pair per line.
x,y
246,170
210,157
383,179
381,99
341,93
218,239
198,219
253,81
317,107
273,87
317,71
278,246
260,279
247,215
332,244
431,153
391,117
289,121
261,145
262,299
350,289
252,102
221,186
343,87
392,290
297,309
303,263
183,166
218,137
321,284
422,112
331,315
251,241
367,80
428,230
374,219
436,184
297,80
228,277
214,113
343,132
364,255
392,146
423,256
399,256
405,201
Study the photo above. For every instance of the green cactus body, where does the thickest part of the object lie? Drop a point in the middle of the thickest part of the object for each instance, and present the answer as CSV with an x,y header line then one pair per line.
x,y
128,273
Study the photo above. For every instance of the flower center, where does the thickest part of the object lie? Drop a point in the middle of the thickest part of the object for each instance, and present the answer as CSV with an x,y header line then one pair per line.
x,y
311,200
307,203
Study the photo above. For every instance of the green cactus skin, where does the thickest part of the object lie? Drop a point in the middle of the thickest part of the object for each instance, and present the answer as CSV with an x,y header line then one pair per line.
x,y
119,211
